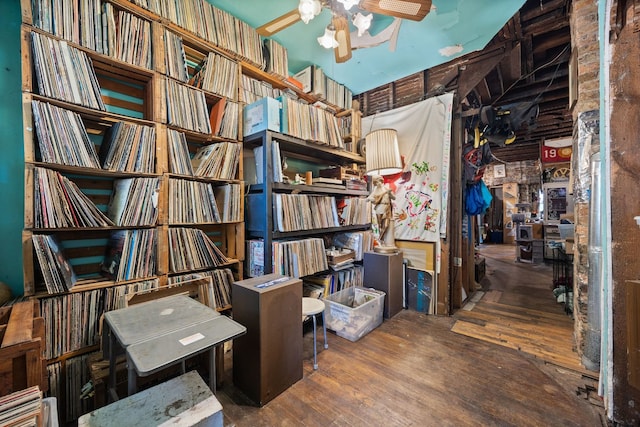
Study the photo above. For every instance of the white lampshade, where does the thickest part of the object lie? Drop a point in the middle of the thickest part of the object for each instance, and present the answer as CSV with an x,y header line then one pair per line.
x,y
382,153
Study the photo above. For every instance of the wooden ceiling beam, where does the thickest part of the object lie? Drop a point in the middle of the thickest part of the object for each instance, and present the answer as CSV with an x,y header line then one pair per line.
x,y
538,11
471,76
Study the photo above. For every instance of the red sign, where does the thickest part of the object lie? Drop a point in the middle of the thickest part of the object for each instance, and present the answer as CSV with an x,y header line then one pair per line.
x,y
555,154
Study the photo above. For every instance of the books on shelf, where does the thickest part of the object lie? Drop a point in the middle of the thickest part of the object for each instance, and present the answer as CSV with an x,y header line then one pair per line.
x,y
67,384
277,62
299,258
131,254
315,81
127,37
192,249
179,159
217,74
219,160
218,290
64,72
310,123
329,183
230,120
62,137
21,408
73,320
187,108
359,241
334,281
56,270
292,212
134,202
175,58
77,21
253,90
294,258
228,198
128,147
354,211
59,203
192,202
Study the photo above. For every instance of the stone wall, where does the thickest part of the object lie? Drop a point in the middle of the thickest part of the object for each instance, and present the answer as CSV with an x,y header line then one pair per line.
x,y
525,173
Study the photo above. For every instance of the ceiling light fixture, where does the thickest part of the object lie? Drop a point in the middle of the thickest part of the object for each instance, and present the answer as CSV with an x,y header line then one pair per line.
x,y
348,4
309,9
328,39
362,22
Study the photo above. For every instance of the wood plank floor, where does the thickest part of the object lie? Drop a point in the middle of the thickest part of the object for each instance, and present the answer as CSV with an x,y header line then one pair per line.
x,y
518,310
414,371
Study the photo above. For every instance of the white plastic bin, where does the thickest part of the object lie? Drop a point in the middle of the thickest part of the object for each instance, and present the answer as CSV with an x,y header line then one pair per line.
x,y
354,312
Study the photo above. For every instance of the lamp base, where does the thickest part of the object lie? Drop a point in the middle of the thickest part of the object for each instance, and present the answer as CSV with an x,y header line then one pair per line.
x,y
386,249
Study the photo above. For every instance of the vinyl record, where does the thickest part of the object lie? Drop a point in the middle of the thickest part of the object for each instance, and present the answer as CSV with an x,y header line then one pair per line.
x,y
266,56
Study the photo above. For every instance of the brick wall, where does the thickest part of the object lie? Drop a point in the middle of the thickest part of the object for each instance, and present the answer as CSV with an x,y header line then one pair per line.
x,y
586,58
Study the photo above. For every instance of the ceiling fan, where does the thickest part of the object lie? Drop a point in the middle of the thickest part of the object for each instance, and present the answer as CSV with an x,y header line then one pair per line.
x,y
338,35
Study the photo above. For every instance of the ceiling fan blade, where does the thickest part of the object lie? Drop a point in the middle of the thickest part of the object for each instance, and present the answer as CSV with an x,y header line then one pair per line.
x,y
280,23
414,10
343,37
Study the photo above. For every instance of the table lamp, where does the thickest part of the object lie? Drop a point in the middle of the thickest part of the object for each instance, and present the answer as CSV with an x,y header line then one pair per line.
x,y
383,158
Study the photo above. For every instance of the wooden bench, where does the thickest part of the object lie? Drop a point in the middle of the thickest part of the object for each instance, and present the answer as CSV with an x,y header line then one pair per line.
x,y
22,364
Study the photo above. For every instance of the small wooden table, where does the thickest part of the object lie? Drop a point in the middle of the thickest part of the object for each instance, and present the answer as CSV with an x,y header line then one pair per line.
x,y
163,332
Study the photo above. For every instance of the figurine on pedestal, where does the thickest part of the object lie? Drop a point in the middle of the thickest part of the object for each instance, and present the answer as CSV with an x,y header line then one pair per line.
x,y
381,197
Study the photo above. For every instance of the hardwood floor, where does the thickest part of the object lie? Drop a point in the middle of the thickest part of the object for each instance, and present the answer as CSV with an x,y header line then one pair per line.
x,y
518,310
414,371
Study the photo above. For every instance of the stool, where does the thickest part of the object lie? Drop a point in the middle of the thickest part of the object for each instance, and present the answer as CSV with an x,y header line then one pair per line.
x,y
312,307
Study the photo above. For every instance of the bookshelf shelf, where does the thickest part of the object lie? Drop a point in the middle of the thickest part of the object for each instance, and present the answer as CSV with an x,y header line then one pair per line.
x,y
318,231
78,170
280,187
302,149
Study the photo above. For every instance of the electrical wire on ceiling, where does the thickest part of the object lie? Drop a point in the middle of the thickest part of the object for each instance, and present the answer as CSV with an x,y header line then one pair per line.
x,y
555,73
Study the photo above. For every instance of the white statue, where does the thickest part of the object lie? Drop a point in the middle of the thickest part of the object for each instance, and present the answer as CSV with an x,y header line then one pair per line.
x,y
381,197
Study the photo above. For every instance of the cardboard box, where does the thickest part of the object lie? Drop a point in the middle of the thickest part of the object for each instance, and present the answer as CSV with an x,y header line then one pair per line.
x,y
354,312
263,114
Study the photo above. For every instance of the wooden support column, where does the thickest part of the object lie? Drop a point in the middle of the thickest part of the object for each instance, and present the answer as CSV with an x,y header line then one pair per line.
x,y
455,211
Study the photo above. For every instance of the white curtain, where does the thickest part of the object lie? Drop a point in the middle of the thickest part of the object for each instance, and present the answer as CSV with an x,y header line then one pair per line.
x,y
424,135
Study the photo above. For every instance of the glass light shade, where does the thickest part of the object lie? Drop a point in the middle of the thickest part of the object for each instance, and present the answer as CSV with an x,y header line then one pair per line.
x,y
309,9
348,4
362,22
382,153
328,40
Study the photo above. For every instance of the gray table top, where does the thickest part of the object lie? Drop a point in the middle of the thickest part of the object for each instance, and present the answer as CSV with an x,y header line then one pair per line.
x,y
153,354
158,317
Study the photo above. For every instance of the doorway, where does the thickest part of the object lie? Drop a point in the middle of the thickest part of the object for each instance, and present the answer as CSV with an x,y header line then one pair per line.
x,y
493,218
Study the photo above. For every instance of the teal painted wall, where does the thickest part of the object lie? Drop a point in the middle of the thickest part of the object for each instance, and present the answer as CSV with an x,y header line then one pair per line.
x,y
11,148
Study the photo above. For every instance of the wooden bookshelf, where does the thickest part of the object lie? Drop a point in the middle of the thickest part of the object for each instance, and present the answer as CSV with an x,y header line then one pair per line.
x,y
135,96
